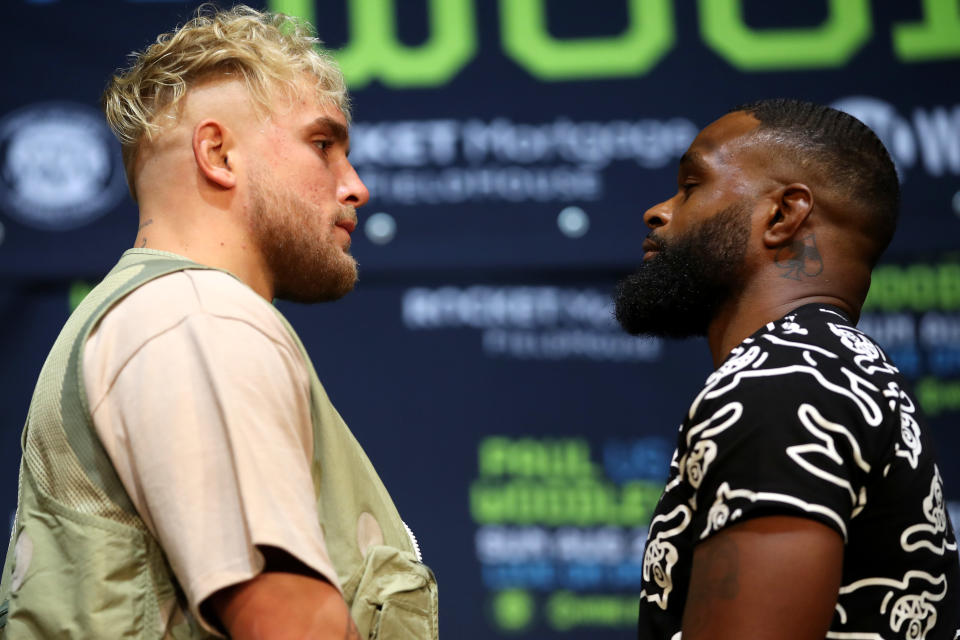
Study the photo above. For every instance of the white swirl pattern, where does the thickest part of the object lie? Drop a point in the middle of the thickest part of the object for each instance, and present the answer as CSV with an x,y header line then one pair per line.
x,y
831,454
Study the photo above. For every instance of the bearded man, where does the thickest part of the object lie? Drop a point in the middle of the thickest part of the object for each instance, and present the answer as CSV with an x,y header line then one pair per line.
x,y
804,500
184,474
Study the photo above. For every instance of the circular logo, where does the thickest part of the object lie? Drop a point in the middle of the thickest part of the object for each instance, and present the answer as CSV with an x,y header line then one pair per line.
x,y
60,167
513,609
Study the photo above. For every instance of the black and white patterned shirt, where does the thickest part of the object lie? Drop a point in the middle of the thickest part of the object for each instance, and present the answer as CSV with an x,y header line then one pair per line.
x,y
808,417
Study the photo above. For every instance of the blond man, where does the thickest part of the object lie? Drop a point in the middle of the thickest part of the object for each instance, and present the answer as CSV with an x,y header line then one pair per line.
x,y
184,474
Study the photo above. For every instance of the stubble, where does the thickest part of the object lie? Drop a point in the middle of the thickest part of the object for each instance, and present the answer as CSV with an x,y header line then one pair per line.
x,y
300,246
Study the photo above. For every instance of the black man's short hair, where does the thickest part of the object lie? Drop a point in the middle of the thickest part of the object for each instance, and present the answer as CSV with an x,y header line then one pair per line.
x,y
851,156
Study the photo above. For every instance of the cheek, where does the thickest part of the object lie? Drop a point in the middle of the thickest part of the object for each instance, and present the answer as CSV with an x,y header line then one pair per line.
x,y
681,222
318,192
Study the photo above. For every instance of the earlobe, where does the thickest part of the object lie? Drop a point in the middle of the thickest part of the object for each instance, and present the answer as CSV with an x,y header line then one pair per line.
x,y
211,147
789,210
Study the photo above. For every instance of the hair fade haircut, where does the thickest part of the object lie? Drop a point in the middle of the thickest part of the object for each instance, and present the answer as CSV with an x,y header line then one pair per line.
x,y
849,155
269,52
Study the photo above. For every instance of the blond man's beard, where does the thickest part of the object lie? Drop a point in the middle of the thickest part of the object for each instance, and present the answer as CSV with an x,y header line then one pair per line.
x,y
300,247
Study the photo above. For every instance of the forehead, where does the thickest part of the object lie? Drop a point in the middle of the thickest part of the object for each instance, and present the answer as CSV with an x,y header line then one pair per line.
x,y
727,141
304,103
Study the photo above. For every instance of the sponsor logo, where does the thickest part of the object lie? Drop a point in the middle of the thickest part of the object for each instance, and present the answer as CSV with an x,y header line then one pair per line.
x,y
442,162
60,167
530,322
551,521
650,31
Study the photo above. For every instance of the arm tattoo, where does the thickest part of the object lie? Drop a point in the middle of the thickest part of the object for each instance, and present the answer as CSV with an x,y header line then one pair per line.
x,y
800,258
717,578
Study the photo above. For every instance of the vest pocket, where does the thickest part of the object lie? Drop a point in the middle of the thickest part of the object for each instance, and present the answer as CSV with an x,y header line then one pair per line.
x,y
399,619
392,596
88,577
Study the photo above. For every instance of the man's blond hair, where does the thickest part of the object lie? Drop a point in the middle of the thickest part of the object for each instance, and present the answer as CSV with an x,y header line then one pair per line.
x,y
267,51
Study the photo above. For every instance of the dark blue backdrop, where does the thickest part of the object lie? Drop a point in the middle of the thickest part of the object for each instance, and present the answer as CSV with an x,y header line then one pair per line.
x,y
511,148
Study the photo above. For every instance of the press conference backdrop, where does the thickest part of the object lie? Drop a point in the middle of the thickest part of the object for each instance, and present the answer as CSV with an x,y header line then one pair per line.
x,y
510,148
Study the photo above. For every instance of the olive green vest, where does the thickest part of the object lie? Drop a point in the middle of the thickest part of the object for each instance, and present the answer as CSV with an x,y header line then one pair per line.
x,y
81,563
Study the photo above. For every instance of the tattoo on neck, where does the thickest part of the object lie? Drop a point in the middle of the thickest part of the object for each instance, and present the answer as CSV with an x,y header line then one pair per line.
x,y
146,223
800,258
144,243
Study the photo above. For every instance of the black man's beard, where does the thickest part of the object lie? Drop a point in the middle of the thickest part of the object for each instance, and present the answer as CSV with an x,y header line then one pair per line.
x,y
678,292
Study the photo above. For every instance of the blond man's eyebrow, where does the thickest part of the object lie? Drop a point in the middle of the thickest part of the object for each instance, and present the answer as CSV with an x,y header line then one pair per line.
x,y
337,130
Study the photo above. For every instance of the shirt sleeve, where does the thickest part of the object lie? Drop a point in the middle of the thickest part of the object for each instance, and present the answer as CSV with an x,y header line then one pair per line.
x,y
209,427
775,445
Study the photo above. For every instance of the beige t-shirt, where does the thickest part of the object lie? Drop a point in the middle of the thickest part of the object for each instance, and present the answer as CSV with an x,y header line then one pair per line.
x,y
202,401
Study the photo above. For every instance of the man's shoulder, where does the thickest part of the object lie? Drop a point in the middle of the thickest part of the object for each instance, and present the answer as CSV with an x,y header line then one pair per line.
x,y
168,300
813,353
815,336
822,337
182,315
